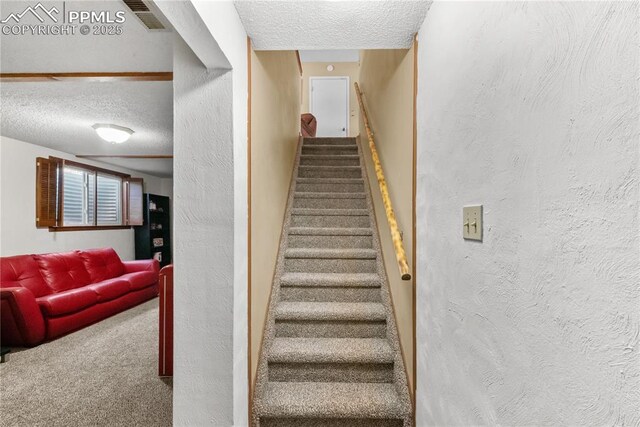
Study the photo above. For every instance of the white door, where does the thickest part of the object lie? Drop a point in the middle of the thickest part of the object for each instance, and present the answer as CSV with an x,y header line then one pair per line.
x,y
330,105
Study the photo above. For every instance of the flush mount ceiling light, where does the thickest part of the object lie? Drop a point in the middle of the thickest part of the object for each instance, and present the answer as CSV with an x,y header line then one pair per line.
x,y
112,133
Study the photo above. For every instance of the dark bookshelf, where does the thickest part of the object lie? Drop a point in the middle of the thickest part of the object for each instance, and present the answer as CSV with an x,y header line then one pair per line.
x,y
153,237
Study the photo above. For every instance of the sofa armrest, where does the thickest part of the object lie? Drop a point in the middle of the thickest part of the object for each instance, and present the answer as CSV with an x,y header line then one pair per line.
x,y
141,265
22,321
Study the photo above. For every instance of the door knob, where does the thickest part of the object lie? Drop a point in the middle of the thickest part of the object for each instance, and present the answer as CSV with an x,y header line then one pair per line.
x,y
344,129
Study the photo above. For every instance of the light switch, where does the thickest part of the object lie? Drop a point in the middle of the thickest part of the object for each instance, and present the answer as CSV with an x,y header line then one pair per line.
x,y
472,222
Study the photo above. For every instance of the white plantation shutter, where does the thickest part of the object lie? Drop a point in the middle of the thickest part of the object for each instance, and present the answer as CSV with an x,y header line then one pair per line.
x,y
78,200
109,200
91,198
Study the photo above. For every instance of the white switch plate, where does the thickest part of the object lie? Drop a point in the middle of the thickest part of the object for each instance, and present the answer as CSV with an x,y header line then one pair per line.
x,y
472,222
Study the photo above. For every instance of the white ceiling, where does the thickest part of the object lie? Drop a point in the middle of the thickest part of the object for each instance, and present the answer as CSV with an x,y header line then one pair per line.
x,y
59,115
314,25
136,49
330,55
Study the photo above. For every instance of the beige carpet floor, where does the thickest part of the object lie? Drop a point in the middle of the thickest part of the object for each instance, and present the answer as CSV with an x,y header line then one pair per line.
x,y
102,375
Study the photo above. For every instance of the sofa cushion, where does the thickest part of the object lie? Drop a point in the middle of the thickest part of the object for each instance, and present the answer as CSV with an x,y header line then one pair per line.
x,y
63,271
22,270
110,289
140,279
102,264
67,302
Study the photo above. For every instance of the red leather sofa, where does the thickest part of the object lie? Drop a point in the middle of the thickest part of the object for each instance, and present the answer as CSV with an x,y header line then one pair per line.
x,y
45,296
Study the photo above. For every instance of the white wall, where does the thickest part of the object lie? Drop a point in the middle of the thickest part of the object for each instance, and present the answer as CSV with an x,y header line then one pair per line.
x,y
210,210
203,209
530,109
223,22
18,232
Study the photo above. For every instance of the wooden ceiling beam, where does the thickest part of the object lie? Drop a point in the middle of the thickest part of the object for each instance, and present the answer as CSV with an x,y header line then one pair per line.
x,y
88,77
125,156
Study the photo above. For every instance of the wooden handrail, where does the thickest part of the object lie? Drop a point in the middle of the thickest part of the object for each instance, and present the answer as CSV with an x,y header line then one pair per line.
x,y
401,255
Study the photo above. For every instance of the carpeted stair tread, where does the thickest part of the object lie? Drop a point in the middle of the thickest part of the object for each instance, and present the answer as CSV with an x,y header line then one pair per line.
x,y
329,157
329,171
328,400
315,180
331,253
330,350
357,311
330,180
320,195
330,167
360,280
329,139
331,146
330,231
332,212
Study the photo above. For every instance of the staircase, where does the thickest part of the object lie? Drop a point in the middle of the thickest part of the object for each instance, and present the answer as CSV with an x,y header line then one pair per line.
x,y
330,355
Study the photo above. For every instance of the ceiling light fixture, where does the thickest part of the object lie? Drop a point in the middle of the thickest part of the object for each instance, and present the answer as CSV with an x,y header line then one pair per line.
x,y
112,133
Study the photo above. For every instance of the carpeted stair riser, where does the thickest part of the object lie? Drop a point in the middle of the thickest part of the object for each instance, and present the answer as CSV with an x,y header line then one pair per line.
x,y
329,172
329,141
351,221
330,212
330,329
329,422
330,231
371,280
330,203
330,253
318,185
327,294
329,160
329,311
328,195
331,372
302,241
301,265
329,150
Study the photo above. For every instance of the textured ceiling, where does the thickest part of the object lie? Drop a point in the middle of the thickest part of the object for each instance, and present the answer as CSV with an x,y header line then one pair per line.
x,y
313,25
59,115
136,49
330,55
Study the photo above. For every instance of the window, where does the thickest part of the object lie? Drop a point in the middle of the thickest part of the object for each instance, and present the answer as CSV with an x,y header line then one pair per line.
x,y
74,196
